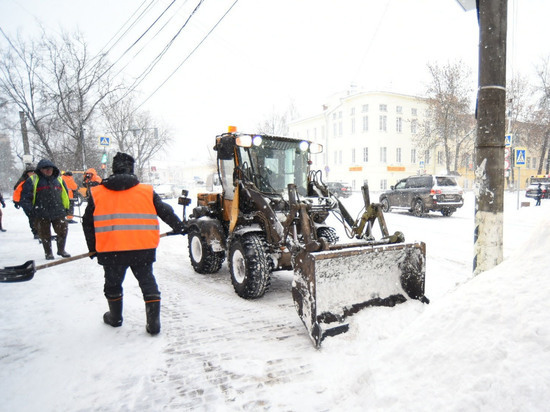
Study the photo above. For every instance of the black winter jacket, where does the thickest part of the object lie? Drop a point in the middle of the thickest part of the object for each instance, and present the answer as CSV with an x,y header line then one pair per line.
x,y
49,203
131,257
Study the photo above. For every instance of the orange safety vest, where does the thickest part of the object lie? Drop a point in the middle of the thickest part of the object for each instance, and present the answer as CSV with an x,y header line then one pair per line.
x,y
17,192
125,220
71,185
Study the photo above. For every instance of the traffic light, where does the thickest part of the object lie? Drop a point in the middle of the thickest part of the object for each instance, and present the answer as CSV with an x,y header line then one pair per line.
x,y
104,158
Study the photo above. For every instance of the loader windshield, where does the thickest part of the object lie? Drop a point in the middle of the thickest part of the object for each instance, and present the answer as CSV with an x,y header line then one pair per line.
x,y
274,164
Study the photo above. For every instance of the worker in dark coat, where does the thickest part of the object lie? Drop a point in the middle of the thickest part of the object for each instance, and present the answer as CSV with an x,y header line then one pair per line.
x,y
539,195
17,189
121,226
3,205
45,199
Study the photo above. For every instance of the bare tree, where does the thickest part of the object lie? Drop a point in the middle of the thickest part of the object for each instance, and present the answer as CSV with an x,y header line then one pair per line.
x,y
22,83
449,122
541,112
133,132
276,124
80,84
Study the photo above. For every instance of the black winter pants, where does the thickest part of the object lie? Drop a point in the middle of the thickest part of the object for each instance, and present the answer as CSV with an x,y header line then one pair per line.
x,y
114,276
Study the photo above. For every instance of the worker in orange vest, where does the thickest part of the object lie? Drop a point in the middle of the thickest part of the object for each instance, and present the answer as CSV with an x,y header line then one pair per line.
x,y
72,186
121,227
28,172
91,179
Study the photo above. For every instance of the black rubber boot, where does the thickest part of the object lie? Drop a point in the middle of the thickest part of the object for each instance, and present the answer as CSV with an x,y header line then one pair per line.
x,y
61,247
152,310
114,316
47,245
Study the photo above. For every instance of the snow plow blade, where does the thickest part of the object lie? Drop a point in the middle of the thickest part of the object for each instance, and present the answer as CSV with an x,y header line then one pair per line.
x,y
331,285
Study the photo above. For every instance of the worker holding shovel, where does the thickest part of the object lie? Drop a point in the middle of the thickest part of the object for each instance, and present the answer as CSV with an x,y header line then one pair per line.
x,y
120,224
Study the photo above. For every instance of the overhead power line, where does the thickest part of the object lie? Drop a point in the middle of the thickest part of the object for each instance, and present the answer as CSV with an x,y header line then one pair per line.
x,y
189,55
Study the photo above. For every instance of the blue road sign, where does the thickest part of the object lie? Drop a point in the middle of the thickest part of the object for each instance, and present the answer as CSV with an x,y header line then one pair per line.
x,y
519,157
104,141
508,140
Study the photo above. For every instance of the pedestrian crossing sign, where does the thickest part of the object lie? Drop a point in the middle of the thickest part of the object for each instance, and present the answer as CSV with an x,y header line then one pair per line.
x,y
104,141
519,156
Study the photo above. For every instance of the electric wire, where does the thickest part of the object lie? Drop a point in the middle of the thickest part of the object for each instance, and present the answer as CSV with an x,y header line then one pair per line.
x,y
188,56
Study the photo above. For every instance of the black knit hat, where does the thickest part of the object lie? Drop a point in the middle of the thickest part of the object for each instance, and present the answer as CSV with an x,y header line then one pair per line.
x,y
123,163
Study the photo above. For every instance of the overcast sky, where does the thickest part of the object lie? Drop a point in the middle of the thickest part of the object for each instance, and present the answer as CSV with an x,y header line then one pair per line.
x,y
266,54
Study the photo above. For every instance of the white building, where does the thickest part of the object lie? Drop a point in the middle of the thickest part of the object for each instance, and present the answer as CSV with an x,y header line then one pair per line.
x,y
368,136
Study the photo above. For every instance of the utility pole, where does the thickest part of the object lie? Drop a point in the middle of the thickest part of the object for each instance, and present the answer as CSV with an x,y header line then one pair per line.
x,y
27,159
491,130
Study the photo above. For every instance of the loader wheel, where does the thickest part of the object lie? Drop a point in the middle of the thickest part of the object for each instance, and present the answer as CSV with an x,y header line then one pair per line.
x,y
329,234
250,266
203,258
385,205
418,208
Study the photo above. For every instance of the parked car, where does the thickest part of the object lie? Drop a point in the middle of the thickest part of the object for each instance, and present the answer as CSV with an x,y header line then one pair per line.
x,y
339,189
424,193
165,191
532,190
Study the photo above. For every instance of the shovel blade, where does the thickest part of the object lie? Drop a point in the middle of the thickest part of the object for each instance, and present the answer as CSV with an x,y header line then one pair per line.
x,y
331,285
20,273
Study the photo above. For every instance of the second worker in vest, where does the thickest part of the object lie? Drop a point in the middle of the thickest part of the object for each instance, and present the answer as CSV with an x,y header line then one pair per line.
x,y
120,224
45,199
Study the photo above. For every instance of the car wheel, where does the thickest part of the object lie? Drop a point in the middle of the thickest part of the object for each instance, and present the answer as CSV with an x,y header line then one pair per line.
x,y
447,212
385,205
418,208
203,259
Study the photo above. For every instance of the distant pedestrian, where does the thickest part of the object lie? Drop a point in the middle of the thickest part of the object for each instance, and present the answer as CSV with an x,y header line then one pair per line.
x,y
17,189
72,187
91,179
45,198
120,224
3,206
539,195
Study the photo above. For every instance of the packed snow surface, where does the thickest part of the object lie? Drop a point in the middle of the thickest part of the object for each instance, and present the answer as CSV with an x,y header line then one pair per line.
x,y
482,344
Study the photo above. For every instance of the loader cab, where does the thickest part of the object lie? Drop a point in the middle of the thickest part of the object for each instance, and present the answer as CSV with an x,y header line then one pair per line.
x,y
270,163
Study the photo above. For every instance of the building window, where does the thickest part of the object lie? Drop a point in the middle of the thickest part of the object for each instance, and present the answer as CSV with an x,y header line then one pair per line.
x,y
365,154
335,157
383,123
340,129
365,123
528,162
383,107
340,114
352,111
414,112
414,125
335,129
439,158
398,155
399,125
340,157
383,184
353,126
399,109
427,157
383,154
334,116
365,108
413,155
352,155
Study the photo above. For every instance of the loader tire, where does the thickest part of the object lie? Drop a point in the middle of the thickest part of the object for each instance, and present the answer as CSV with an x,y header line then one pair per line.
x,y
250,266
203,258
329,234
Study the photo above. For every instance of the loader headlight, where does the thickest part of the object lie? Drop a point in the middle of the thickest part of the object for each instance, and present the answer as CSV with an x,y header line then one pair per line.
x,y
315,148
244,140
304,146
257,140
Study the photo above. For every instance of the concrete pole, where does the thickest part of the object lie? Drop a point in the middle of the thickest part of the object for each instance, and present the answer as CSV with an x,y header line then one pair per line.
x,y
24,134
491,129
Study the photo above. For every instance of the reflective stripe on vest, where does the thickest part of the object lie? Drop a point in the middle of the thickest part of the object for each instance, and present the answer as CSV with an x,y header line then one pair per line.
x,y
126,219
64,194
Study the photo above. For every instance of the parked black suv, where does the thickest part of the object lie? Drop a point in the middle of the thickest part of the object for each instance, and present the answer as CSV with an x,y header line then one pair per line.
x,y
339,189
421,194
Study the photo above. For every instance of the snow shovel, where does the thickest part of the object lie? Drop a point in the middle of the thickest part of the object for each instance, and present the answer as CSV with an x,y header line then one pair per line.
x,y
26,271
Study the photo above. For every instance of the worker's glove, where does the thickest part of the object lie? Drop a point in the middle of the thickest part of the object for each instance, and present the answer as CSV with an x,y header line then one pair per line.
x,y
181,229
3,204
93,254
16,205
